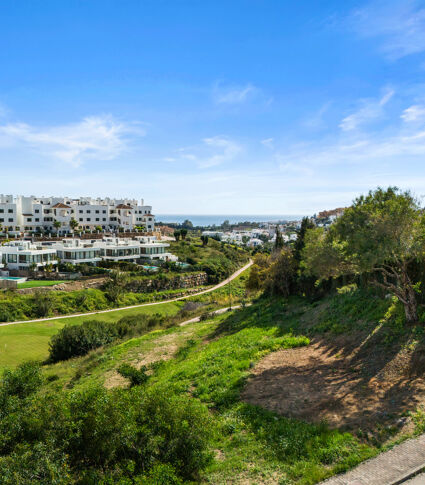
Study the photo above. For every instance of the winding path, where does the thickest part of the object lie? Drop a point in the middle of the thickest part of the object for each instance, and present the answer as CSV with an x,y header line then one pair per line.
x,y
209,290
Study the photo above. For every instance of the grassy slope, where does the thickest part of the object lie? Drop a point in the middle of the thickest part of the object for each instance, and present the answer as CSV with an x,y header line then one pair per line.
x,y
211,360
29,341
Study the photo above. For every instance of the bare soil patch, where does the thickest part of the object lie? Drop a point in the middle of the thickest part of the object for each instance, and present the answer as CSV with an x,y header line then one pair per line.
x,y
344,384
165,348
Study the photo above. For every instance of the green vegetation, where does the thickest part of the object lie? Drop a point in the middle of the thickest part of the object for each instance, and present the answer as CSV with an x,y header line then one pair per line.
x,y
95,436
217,259
39,283
31,340
382,234
126,286
208,371
138,399
76,340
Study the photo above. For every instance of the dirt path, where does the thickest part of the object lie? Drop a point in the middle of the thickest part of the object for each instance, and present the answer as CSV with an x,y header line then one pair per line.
x,y
209,290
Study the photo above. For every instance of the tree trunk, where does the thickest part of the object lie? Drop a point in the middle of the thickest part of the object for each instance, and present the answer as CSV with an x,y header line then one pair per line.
x,y
411,307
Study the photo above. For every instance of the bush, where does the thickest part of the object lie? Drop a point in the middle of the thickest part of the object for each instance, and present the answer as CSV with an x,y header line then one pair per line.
x,y
74,340
43,303
100,436
77,340
137,377
22,381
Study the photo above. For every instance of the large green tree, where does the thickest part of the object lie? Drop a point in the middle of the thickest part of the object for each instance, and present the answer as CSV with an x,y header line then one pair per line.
x,y
382,234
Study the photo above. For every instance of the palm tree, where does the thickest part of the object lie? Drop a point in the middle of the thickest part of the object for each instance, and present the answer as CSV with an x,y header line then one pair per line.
x,y
73,224
57,225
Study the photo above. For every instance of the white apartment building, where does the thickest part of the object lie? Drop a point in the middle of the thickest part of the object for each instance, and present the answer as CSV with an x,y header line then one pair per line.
x,y
32,213
77,251
26,255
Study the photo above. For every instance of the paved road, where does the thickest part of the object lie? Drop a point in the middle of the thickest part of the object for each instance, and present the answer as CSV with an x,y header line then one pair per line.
x,y
209,290
390,468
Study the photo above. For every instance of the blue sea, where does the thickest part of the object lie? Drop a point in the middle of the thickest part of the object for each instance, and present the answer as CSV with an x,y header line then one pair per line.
x,y
209,220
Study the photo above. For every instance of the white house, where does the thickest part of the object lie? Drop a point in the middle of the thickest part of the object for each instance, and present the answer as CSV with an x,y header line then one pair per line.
x,y
24,255
215,234
76,251
40,213
254,243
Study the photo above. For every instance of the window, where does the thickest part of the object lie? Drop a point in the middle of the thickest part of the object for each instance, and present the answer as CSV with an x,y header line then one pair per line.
x,y
1,211
10,219
88,219
80,211
103,219
97,219
103,212
97,212
37,219
10,211
80,219
29,219
88,211
37,211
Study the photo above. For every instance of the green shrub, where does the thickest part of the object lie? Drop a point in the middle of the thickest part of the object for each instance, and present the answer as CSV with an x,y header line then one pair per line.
x,y
99,436
22,381
74,340
137,377
77,340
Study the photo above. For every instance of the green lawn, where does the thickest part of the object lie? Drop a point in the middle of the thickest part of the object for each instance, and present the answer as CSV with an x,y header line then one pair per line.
x,y
38,283
30,341
27,341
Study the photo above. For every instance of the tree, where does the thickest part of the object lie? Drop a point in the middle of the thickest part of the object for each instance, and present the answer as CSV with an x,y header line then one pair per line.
x,y
204,240
187,224
279,240
382,233
177,235
73,224
183,233
306,224
116,286
57,225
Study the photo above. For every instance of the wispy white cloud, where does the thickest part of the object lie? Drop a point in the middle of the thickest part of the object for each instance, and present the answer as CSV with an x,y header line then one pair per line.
x,y
93,138
233,94
268,142
315,120
372,151
399,24
228,150
370,110
213,151
414,113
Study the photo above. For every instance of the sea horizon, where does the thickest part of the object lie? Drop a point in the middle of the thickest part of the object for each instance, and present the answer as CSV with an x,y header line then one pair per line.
x,y
218,219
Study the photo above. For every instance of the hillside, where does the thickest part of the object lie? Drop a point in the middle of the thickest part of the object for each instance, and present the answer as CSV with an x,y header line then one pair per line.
x,y
267,375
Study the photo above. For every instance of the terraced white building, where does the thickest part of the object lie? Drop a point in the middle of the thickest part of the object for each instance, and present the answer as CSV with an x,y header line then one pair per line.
x,y
27,214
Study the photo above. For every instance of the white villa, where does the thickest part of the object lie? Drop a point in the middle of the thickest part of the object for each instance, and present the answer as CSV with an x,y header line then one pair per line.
x,y
21,255
40,213
26,255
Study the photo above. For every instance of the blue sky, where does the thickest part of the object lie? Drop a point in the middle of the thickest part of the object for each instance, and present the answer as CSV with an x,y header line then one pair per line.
x,y
213,107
